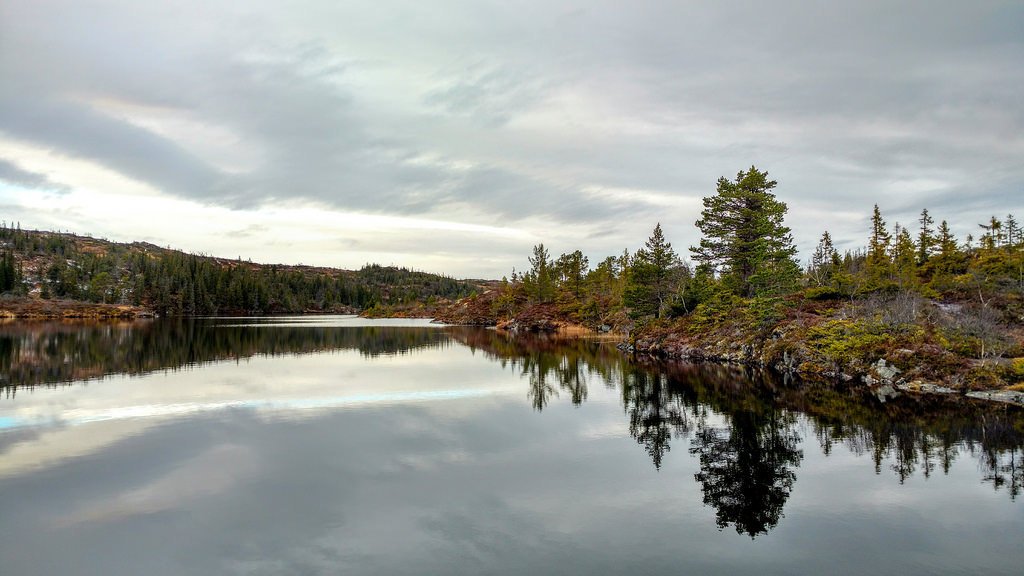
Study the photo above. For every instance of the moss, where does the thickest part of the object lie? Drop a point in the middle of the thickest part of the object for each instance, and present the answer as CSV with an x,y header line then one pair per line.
x,y
845,342
1015,370
984,377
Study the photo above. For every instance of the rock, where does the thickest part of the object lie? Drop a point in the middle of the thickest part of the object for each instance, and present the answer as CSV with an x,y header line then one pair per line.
x,y
1007,396
926,387
882,372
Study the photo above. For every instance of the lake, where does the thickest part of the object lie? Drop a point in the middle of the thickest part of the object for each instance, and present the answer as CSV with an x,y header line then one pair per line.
x,y
335,445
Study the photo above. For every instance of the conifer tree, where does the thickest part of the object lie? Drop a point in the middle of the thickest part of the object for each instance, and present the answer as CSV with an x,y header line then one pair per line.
x,y
1013,232
925,238
949,258
539,281
8,273
878,263
904,257
653,276
824,262
572,268
993,236
744,239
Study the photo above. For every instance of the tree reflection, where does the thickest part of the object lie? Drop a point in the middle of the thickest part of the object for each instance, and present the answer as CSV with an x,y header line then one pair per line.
x,y
744,428
748,458
746,464
572,377
656,413
545,360
537,367
542,368
746,469
51,353
1005,469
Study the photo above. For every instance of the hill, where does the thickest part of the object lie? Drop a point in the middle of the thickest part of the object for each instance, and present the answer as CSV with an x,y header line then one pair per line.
x,y
40,268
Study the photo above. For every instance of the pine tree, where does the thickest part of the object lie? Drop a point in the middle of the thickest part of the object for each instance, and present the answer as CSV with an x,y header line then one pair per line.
x,y
539,281
653,276
949,258
824,262
572,268
925,238
878,263
744,239
993,236
1013,232
8,273
904,257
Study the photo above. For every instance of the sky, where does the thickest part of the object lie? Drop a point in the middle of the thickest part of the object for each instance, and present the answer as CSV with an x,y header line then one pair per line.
x,y
451,136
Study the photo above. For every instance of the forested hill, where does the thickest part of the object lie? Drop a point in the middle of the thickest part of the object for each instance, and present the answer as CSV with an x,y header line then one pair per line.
x,y
45,265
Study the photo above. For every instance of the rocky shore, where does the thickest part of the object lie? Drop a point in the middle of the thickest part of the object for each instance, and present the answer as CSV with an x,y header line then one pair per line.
x,y
812,341
24,308
910,366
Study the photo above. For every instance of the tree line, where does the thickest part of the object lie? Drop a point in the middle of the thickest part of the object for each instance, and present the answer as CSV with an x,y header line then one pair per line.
x,y
746,258
178,283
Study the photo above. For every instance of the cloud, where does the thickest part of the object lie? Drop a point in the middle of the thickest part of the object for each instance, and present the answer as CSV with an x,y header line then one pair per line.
x,y
12,174
490,95
212,472
505,115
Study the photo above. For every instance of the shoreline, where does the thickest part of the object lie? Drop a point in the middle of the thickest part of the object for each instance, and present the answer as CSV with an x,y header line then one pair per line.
x,y
28,309
880,377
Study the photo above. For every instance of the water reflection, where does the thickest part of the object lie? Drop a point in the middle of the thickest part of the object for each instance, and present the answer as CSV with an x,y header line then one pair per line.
x,y
746,431
746,427
50,353
746,468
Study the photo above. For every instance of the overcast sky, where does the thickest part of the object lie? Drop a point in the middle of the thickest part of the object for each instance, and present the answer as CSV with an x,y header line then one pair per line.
x,y
451,136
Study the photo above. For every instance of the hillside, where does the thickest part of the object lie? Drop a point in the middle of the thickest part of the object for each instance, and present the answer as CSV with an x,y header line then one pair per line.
x,y
38,269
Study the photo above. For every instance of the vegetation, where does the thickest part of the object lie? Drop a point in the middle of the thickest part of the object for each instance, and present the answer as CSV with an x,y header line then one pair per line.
x,y
745,244
935,308
59,265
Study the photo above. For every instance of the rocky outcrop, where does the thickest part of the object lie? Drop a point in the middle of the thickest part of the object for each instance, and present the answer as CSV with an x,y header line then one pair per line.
x,y
789,351
477,310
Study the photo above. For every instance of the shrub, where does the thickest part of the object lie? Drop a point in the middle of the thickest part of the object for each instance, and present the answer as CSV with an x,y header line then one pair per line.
x,y
716,310
1015,370
846,341
822,293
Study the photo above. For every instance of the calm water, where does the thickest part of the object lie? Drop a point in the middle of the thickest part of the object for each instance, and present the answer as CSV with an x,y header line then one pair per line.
x,y
333,445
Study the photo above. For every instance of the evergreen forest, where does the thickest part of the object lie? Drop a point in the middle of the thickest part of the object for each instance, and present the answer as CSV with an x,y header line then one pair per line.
x,y
53,265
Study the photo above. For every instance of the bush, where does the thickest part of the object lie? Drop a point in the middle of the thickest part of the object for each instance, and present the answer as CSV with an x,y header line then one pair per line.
x,y
823,293
1015,370
716,310
975,331
983,378
765,312
843,342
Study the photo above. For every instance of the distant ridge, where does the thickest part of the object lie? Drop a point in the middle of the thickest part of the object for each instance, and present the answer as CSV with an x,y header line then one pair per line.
x,y
50,265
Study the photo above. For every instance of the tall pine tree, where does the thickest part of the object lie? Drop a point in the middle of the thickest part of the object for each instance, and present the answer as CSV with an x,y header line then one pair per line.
x,y
925,238
744,238
878,262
